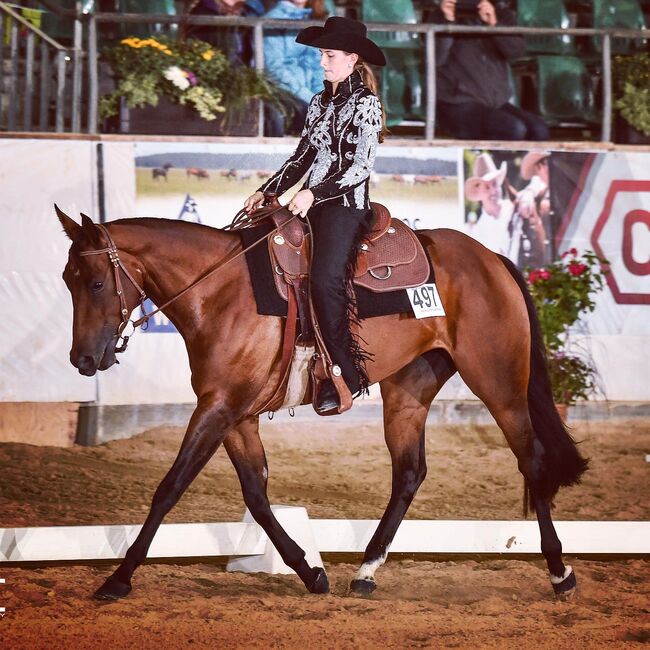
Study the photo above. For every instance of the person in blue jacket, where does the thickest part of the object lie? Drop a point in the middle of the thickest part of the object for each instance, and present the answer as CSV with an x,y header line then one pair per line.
x,y
293,66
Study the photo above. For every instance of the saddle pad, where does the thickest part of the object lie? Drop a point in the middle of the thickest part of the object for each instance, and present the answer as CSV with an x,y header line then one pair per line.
x,y
269,303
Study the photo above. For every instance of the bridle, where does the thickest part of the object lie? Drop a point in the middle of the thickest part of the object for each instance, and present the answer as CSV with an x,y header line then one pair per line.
x,y
118,265
241,220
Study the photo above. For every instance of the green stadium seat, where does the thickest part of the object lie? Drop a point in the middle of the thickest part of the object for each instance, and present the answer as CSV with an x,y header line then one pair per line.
x,y
545,13
619,13
565,91
330,8
402,79
166,7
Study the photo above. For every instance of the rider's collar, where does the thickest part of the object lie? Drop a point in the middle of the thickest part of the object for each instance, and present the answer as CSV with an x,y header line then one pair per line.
x,y
345,87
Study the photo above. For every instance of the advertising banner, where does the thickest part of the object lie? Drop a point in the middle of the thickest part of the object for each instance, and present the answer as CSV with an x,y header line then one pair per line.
x,y
528,205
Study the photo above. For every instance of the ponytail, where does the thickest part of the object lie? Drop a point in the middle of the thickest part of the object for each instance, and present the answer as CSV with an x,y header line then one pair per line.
x,y
370,81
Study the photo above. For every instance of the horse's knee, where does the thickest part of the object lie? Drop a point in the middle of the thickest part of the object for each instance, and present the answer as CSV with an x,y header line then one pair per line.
x,y
258,505
409,480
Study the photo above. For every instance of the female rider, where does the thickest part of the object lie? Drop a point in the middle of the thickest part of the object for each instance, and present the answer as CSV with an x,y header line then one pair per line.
x,y
343,126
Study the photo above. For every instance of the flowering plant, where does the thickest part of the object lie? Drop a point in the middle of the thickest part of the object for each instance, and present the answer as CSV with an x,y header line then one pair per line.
x,y
632,89
562,292
188,72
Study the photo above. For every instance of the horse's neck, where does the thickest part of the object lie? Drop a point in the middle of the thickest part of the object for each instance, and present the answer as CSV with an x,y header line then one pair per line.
x,y
173,255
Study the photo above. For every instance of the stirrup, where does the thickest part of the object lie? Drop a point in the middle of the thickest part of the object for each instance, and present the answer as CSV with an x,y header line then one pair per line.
x,y
327,399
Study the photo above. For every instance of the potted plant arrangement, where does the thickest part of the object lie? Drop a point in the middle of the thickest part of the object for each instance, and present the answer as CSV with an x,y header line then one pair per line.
x,y
187,86
563,292
632,98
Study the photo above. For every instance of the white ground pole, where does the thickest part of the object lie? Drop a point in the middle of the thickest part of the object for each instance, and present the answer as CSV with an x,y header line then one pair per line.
x,y
317,536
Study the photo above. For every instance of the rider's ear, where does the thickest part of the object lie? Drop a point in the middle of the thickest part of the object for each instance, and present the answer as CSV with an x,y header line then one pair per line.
x,y
70,226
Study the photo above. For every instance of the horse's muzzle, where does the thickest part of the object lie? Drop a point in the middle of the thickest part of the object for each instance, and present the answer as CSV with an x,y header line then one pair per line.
x,y
88,365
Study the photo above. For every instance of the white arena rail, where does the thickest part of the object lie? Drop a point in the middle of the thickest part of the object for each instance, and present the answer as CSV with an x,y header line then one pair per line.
x,y
251,550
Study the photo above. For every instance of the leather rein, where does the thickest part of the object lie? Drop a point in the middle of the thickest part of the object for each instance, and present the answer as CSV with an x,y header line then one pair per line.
x,y
242,220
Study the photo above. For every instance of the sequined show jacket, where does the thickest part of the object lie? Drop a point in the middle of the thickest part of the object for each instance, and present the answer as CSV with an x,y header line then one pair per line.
x,y
337,146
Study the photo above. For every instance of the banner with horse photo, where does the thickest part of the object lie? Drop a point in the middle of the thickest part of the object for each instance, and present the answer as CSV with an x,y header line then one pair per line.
x,y
207,183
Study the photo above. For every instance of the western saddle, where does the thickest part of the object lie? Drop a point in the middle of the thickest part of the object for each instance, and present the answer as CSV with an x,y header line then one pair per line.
x,y
390,258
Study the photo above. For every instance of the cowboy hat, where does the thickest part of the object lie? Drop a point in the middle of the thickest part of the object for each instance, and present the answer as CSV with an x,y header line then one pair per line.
x,y
527,169
344,34
484,171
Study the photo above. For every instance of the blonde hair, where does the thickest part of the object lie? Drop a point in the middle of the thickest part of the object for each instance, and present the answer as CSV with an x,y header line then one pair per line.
x,y
370,81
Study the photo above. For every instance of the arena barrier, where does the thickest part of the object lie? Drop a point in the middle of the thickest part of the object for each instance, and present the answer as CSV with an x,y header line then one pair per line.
x,y
251,550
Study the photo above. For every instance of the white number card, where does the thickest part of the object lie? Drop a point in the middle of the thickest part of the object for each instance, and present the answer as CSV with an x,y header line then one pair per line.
x,y
425,301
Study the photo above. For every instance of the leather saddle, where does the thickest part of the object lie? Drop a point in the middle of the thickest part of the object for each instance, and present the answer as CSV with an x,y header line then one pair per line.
x,y
390,256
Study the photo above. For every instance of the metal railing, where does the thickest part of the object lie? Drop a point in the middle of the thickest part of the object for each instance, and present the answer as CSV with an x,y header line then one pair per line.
x,y
48,69
90,23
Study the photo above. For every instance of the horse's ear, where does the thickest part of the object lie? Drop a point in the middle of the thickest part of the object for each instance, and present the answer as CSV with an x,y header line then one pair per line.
x,y
86,221
70,226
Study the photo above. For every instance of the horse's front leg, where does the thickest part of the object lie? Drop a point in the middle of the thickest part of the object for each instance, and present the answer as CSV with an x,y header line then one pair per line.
x,y
407,396
246,452
208,426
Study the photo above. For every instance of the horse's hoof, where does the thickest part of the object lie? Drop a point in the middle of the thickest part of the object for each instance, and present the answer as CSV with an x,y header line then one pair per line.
x,y
363,587
320,584
113,589
565,589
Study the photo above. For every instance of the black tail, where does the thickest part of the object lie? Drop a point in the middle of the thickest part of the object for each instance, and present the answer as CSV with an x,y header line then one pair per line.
x,y
564,464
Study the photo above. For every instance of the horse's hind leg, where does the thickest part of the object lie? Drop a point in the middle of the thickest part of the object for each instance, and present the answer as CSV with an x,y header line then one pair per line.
x,y
246,452
505,394
533,462
407,396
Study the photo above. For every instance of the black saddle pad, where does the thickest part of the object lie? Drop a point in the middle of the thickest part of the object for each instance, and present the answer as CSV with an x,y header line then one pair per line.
x,y
269,302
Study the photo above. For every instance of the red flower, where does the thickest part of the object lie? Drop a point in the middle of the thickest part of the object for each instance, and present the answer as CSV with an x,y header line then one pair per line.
x,y
575,268
538,274
572,251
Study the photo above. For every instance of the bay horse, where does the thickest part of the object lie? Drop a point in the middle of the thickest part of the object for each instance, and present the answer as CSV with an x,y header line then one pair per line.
x,y
161,172
198,172
490,336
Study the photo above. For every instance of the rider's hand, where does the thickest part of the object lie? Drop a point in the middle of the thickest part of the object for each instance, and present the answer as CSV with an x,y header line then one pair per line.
x,y
254,201
487,13
301,202
448,8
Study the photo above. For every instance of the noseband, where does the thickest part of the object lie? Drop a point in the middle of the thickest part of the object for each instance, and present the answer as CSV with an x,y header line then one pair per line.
x,y
111,249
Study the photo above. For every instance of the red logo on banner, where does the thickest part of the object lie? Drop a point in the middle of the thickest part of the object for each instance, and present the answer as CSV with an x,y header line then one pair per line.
x,y
627,224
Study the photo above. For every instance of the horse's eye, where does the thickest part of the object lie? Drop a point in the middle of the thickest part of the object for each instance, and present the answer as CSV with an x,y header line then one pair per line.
x,y
96,287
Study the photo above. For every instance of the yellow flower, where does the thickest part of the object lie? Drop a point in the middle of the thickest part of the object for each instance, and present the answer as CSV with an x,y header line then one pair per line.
x,y
208,54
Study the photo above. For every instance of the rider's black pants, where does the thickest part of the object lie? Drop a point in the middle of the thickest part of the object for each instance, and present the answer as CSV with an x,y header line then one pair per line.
x,y
337,234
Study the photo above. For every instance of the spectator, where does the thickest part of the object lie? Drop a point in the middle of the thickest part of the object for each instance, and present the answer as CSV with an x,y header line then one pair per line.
x,y
492,225
473,82
233,41
531,223
293,66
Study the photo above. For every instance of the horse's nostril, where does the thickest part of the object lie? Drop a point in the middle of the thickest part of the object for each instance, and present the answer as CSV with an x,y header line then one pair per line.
x,y
85,363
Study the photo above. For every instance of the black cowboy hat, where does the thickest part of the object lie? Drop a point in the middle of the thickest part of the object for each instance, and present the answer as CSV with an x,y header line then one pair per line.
x,y
345,34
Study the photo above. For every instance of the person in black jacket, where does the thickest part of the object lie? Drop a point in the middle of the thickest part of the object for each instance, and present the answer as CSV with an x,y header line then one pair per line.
x,y
337,149
473,83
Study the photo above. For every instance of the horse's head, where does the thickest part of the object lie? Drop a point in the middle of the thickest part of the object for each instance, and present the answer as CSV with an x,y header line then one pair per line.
x,y
97,308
